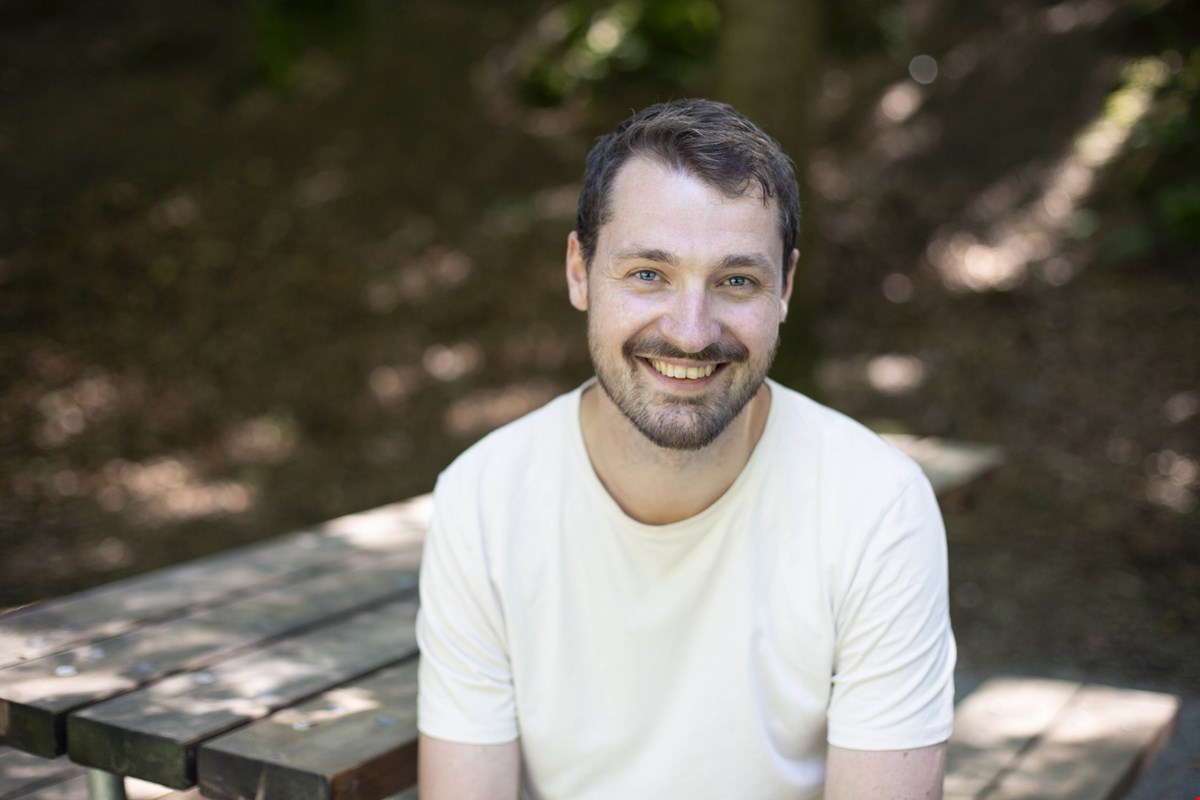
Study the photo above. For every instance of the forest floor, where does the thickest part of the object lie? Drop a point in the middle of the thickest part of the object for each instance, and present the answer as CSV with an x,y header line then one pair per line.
x,y
229,313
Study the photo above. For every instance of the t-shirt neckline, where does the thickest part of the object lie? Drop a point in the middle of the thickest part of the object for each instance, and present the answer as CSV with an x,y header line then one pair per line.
x,y
695,523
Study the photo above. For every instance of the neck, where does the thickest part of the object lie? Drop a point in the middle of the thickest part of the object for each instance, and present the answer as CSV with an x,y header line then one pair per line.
x,y
658,485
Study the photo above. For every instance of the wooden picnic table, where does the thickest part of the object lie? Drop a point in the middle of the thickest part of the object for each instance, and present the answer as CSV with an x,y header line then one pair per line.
x,y
287,669
155,676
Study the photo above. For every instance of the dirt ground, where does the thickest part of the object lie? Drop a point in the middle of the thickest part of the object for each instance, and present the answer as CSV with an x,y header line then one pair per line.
x,y
231,310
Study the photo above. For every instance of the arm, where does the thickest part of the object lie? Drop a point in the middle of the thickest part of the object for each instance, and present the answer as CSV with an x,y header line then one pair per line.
x,y
451,771
885,774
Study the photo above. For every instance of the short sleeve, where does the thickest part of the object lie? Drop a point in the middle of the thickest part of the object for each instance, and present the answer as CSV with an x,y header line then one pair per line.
x,y
893,676
465,681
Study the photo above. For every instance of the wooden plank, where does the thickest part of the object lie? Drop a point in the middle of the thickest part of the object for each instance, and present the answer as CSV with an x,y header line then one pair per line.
x,y
994,725
21,773
1097,749
45,628
356,741
152,733
949,465
36,696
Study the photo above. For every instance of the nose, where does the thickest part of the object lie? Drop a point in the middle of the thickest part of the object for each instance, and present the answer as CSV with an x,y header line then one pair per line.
x,y
690,324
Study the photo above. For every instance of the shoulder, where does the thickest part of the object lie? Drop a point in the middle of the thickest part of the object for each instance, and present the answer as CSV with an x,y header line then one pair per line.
x,y
842,452
508,454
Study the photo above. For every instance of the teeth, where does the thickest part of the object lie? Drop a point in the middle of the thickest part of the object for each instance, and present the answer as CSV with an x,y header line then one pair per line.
x,y
687,373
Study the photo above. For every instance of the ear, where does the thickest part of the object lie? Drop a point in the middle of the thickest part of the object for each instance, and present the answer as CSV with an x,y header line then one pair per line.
x,y
788,284
576,273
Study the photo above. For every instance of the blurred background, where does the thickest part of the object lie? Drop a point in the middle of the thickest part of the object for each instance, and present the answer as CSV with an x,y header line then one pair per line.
x,y
271,262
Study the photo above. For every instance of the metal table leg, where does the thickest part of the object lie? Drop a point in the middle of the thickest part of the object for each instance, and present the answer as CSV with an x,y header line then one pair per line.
x,y
105,785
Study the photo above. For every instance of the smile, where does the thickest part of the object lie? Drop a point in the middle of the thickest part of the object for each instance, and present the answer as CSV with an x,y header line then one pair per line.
x,y
681,372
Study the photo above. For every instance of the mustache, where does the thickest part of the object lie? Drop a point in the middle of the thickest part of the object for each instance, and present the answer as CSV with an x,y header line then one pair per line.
x,y
654,346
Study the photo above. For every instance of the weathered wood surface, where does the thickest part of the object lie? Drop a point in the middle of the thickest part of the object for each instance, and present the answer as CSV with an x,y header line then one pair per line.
x,y
359,740
1039,738
46,628
1096,749
35,696
152,733
994,724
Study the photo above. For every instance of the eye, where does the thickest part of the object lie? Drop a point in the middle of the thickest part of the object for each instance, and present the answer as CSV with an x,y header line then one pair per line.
x,y
646,275
738,281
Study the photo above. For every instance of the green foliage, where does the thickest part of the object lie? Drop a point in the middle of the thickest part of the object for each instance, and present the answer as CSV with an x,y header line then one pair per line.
x,y
857,27
288,29
580,44
1179,209
1159,171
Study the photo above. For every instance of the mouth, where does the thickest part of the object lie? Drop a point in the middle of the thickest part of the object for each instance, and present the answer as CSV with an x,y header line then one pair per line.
x,y
695,373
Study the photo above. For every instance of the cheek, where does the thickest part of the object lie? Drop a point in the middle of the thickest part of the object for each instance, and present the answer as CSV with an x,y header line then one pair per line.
x,y
755,324
624,314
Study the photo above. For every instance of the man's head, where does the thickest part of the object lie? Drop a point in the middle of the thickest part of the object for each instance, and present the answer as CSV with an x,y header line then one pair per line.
x,y
707,139
680,271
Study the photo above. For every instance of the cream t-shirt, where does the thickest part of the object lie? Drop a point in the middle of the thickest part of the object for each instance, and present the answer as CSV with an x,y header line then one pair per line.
x,y
709,658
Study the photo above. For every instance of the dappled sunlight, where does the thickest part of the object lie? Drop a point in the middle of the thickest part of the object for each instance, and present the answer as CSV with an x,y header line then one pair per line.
x,y
415,279
489,408
67,412
899,102
1071,14
895,374
393,384
1093,744
335,704
385,527
251,686
322,187
543,77
100,669
1181,407
304,748
887,374
451,362
165,488
1016,238
269,439
947,464
1172,480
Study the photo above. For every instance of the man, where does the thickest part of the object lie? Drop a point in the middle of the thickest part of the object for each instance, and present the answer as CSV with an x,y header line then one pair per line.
x,y
682,580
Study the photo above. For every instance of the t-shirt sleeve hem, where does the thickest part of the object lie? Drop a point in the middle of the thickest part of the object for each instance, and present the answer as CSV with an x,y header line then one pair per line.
x,y
468,734
891,740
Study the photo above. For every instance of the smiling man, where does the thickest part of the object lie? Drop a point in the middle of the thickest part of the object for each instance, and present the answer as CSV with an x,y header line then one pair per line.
x,y
683,580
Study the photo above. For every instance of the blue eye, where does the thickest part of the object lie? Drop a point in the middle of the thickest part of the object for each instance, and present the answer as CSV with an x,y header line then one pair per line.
x,y
646,275
738,281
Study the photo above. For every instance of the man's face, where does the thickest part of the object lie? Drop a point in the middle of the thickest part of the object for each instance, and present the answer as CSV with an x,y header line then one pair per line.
x,y
684,299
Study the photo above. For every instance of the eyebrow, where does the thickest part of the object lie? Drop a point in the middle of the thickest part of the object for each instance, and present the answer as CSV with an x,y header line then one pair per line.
x,y
747,261
646,254
733,261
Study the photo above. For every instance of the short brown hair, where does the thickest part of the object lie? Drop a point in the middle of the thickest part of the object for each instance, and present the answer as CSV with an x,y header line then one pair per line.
x,y
705,138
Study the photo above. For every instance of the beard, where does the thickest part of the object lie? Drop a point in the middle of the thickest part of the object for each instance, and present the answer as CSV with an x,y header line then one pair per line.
x,y
679,423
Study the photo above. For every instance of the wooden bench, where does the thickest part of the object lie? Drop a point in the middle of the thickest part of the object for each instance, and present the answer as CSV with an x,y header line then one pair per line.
x,y
287,670
1040,738
131,678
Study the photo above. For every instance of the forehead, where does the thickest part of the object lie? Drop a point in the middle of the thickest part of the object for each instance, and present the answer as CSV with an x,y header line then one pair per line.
x,y
664,207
